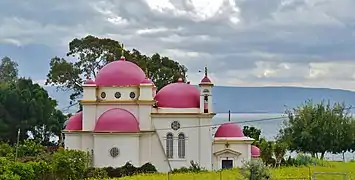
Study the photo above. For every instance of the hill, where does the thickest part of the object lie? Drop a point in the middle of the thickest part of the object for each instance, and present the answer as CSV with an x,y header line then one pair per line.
x,y
252,99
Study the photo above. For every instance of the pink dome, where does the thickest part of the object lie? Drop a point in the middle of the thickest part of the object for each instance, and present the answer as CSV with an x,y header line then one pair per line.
x,y
117,120
229,130
147,81
255,151
75,122
120,73
178,95
89,81
205,80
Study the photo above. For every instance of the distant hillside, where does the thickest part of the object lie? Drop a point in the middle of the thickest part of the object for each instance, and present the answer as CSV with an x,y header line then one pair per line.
x,y
253,99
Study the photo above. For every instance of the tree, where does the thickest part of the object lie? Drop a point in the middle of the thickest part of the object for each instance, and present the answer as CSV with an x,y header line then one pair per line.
x,y
318,128
8,70
279,151
93,53
252,132
28,107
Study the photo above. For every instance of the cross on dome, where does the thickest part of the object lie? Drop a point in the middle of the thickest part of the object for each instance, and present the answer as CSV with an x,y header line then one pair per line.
x,y
122,53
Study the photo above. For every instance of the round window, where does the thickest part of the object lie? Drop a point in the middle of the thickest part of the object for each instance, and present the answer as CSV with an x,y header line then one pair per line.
x,y
117,95
175,125
114,152
103,95
132,95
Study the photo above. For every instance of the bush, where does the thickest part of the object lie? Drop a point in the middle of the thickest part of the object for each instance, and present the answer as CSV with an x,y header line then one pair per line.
x,y
255,170
99,173
194,167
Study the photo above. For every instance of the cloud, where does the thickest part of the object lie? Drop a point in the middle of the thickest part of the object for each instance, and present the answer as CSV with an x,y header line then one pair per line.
x,y
243,42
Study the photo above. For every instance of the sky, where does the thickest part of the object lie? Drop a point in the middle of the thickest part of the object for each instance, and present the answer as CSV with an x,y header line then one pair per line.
x,y
306,43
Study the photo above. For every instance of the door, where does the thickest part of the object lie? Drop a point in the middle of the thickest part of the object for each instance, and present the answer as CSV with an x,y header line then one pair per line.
x,y
227,164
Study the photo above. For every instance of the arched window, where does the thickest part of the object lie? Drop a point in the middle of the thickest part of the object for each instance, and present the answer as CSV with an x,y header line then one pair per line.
x,y
169,145
181,146
205,104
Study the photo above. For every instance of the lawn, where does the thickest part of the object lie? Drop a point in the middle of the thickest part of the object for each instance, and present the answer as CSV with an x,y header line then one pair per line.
x,y
277,173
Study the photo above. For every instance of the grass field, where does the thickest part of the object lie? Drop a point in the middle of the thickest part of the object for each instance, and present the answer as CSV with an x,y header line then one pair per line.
x,y
277,173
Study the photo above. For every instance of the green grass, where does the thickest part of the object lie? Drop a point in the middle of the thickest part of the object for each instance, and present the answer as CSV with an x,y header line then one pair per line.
x,y
277,173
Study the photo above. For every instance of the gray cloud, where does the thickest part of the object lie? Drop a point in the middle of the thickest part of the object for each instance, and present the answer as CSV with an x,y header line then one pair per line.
x,y
243,41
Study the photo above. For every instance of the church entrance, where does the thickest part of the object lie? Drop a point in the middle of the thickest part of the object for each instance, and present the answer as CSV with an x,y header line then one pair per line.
x,y
227,164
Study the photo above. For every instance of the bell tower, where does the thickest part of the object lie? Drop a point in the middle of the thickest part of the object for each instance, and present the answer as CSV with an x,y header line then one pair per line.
x,y
206,86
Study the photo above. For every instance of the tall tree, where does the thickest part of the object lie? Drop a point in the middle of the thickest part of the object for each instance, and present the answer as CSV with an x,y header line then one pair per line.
x,y
8,70
318,128
92,53
25,106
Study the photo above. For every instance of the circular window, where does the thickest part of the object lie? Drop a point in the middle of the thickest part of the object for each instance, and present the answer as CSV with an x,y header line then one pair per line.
x,y
114,152
117,95
175,125
103,95
132,95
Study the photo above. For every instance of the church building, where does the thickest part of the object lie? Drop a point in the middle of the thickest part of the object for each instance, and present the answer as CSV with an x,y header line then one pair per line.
x,y
124,119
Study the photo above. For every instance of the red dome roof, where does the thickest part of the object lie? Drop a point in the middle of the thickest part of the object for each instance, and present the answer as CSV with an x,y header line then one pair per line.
x,y
255,151
147,81
229,130
75,122
205,80
117,120
120,73
178,95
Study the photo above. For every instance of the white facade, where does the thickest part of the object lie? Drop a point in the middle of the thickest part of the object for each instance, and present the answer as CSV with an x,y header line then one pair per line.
x,y
169,137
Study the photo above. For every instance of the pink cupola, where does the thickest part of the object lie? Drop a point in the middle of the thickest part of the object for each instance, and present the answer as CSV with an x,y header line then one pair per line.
x,y
206,80
117,120
178,95
229,130
255,151
89,81
75,122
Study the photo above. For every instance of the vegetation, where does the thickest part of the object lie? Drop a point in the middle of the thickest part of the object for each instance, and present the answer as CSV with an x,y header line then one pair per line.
x,y
317,128
92,53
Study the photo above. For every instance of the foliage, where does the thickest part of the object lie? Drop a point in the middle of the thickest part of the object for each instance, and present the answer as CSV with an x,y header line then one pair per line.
x,y
93,53
318,128
194,168
8,70
280,149
27,106
255,170
252,132
267,151
70,164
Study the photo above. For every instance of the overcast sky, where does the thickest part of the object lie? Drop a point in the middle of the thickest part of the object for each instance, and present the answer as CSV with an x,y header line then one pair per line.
x,y
243,42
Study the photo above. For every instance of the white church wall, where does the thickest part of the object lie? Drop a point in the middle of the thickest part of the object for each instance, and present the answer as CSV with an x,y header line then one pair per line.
x,y
128,145
239,146
205,143
72,141
89,92
87,142
146,92
192,148
175,110
152,151
89,116
124,91
145,123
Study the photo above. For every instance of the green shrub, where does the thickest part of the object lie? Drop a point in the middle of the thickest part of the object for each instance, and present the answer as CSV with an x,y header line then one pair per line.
x,y
24,170
99,173
255,170
194,167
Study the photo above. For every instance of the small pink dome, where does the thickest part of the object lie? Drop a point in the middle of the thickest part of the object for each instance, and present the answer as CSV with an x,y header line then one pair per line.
x,y
117,120
147,81
178,95
255,151
206,80
89,81
229,130
75,122
120,73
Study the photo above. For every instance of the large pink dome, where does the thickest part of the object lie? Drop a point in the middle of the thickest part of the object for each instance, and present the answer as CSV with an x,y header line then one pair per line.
x,y
255,151
75,122
178,95
229,130
117,120
120,73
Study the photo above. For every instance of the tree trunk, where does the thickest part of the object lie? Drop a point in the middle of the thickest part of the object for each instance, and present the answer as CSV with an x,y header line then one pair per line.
x,y
343,156
322,155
